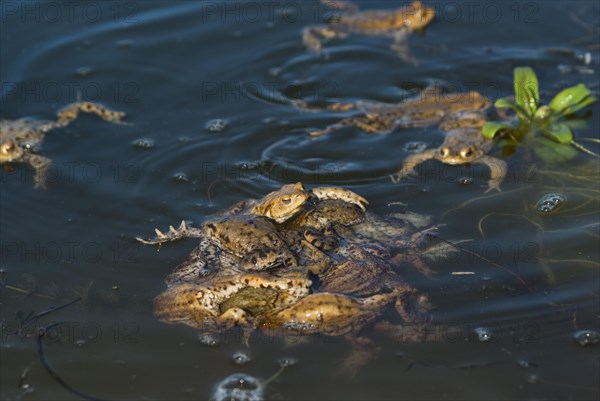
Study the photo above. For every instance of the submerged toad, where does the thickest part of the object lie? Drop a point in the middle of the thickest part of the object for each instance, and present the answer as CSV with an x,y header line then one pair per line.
x,y
19,138
226,301
461,146
431,107
395,23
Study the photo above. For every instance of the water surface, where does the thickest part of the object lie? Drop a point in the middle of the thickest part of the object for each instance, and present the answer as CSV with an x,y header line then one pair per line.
x,y
174,67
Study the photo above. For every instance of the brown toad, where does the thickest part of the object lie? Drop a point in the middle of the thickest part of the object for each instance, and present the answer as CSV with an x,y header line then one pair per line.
x,y
430,107
20,138
249,242
209,305
396,24
284,203
462,146
245,232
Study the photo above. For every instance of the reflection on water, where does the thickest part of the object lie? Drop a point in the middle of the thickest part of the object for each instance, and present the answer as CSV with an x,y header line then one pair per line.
x,y
212,91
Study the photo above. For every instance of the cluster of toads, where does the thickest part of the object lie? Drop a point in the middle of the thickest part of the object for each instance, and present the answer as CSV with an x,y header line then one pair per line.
x,y
305,261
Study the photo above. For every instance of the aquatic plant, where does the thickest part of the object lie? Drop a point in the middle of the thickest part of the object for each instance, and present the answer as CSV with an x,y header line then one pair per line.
x,y
555,121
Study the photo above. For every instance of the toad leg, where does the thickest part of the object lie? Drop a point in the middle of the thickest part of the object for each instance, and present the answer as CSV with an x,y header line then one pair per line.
x,y
173,234
71,112
400,47
312,37
40,164
409,164
341,194
498,169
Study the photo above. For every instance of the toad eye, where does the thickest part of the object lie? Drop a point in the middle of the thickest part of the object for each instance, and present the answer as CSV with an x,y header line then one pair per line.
x,y
287,200
444,151
466,152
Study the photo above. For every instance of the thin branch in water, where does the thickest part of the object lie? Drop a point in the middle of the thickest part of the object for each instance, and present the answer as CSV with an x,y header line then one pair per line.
x,y
42,357
55,308
480,223
460,248
22,377
573,261
494,195
209,191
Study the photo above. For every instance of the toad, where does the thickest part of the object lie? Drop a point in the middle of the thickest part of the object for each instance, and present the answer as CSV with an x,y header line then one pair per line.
x,y
462,146
20,138
349,21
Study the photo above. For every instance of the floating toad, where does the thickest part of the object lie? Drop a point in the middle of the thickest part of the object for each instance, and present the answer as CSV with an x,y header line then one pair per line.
x,y
284,203
396,24
348,292
247,231
19,138
209,306
431,107
461,146
252,242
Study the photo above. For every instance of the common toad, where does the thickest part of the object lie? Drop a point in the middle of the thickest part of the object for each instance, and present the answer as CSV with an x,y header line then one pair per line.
x,y
430,107
396,24
20,138
461,146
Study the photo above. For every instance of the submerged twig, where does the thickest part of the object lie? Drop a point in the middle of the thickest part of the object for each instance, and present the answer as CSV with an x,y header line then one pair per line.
x,y
480,223
460,248
494,195
40,351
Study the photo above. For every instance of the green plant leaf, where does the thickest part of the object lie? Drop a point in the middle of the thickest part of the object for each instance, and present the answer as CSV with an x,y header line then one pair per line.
x,y
560,133
505,103
526,90
572,99
502,102
576,123
491,128
553,152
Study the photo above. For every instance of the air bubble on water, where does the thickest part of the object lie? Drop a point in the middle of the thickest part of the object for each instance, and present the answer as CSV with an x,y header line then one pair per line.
x,y
124,43
247,166
143,143
565,69
414,147
550,203
526,364
239,387
484,334
216,125
84,71
586,337
287,362
181,177
533,378
208,339
241,358
465,180
585,58
184,139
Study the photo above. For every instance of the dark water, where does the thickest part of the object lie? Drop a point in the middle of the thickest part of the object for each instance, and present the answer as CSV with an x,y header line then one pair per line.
x,y
173,67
